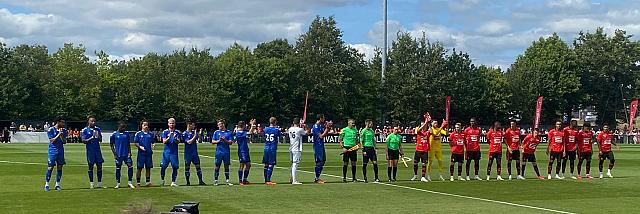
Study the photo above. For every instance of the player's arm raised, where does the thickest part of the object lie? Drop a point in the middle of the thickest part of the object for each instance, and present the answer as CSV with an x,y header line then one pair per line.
x,y
165,139
216,138
326,131
229,141
63,135
193,139
84,137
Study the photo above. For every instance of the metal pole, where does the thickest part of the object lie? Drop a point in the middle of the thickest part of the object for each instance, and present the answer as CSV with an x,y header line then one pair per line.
x,y
384,65
384,48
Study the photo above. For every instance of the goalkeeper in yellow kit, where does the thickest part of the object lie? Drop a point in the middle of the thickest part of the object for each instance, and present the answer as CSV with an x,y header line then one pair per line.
x,y
435,139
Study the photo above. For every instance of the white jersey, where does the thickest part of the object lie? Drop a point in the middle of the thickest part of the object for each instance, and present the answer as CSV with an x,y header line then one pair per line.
x,y
295,137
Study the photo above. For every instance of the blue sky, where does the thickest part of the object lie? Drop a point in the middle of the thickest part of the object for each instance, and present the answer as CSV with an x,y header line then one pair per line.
x,y
492,32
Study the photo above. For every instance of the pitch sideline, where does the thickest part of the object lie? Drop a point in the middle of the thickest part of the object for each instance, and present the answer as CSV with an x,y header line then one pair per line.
x,y
429,191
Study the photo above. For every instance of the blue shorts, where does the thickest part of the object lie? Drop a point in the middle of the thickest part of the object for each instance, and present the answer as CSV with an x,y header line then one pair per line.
x,y
226,158
169,159
191,158
145,161
127,160
54,159
244,157
319,155
269,157
94,157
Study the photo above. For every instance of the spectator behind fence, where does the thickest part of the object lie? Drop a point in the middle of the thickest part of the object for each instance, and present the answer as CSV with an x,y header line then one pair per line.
x,y
31,129
13,128
6,135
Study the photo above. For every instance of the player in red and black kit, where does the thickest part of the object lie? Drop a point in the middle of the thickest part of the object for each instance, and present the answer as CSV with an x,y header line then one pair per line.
x,y
585,138
422,150
529,146
456,141
496,139
556,146
571,147
512,135
605,139
472,135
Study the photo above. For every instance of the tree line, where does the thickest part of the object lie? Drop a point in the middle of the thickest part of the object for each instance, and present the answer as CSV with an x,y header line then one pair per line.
x,y
596,69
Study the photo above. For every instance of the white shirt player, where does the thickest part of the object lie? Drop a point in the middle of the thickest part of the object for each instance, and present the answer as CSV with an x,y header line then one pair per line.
x,y
295,137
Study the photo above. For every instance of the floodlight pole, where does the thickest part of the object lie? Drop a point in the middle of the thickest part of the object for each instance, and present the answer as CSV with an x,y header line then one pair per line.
x,y
384,63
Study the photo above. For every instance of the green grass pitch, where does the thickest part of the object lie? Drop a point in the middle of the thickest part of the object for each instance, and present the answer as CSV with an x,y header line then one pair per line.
x,y
22,168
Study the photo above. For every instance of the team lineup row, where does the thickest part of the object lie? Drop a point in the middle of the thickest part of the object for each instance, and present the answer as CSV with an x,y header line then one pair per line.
x,y
564,146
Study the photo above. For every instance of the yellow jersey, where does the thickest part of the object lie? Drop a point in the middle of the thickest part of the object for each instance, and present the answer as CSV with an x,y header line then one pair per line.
x,y
436,138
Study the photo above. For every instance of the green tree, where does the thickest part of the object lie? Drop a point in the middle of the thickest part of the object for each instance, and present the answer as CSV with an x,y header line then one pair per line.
x,y
609,71
547,68
327,67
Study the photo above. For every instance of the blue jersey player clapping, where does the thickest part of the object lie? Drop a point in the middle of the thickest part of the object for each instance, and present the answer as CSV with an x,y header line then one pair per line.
x,y
92,137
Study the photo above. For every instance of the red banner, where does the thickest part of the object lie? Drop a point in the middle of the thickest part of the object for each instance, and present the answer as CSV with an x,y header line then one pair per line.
x,y
304,115
633,107
538,112
447,107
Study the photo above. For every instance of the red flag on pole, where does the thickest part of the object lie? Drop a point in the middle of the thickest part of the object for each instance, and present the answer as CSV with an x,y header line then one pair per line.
x,y
538,112
304,115
633,107
447,107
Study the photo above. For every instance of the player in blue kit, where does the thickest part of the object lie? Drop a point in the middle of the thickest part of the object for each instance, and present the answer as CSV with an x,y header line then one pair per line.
x,y
145,142
271,134
190,137
92,137
242,139
170,139
319,131
121,148
57,138
223,138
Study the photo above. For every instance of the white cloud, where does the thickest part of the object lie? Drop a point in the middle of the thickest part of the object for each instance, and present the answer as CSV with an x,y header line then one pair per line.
x,y
376,34
366,49
494,28
574,25
20,24
136,27
625,16
569,4
462,5
438,33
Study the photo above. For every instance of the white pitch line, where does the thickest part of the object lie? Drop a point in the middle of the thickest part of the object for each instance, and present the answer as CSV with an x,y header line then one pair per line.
x,y
434,192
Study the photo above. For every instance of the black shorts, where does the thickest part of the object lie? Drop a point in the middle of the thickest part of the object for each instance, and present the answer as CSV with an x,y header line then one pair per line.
x,y
369,154
529,157
473,155
586,155
514,155
607,155
393,154
350,156
571,155
421,157
459,158
555,155
495,155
